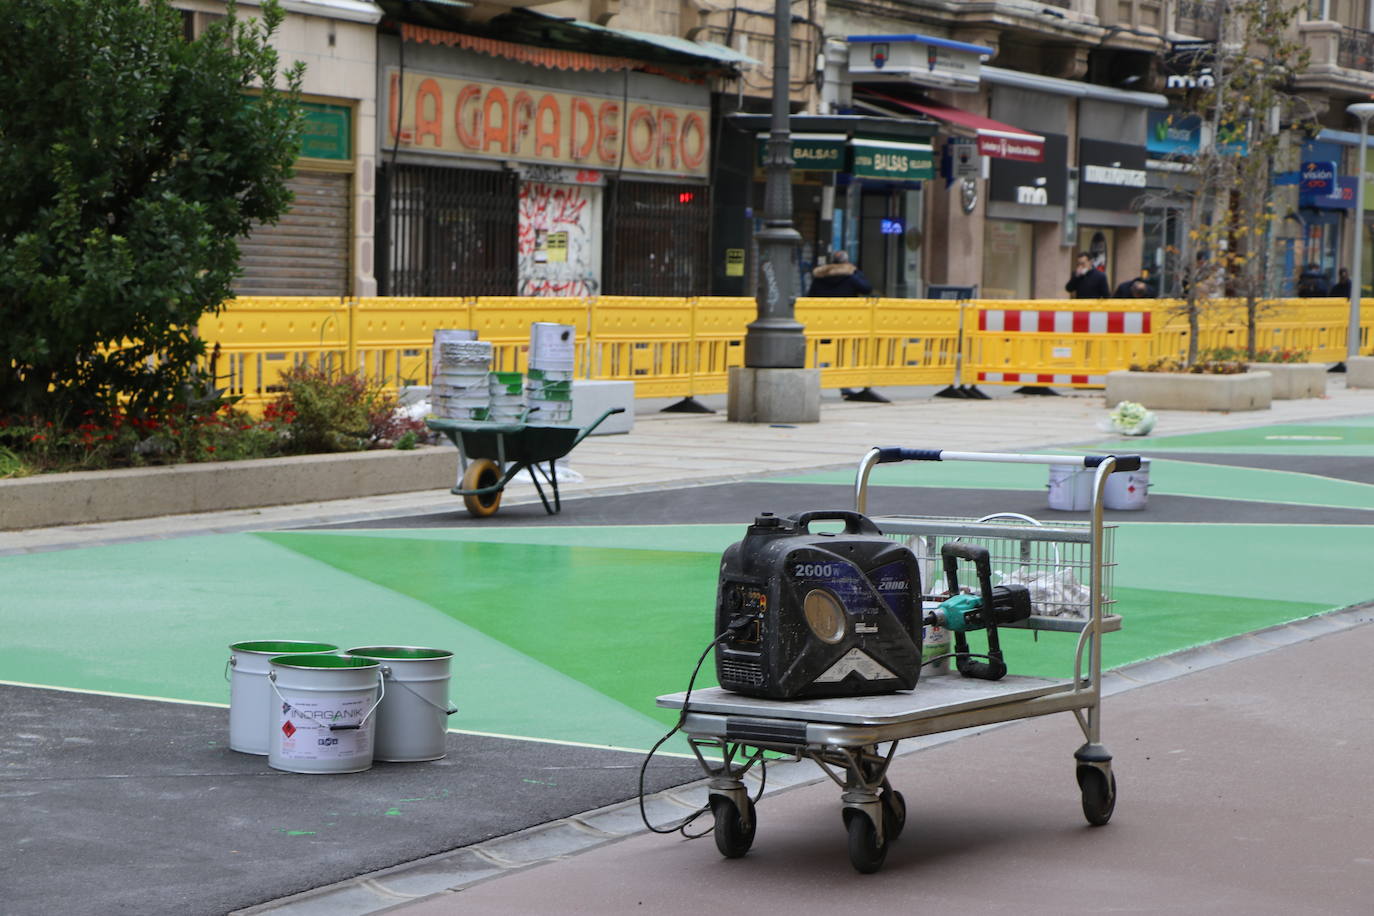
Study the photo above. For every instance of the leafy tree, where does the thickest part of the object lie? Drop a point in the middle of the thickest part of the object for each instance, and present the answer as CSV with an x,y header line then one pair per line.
x,y
131,162
1254,121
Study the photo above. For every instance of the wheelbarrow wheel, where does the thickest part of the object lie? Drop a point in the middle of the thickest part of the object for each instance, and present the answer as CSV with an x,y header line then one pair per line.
x,y
482,473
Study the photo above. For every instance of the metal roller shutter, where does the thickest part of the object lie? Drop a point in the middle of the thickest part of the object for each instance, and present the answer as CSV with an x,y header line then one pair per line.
x,y
306,253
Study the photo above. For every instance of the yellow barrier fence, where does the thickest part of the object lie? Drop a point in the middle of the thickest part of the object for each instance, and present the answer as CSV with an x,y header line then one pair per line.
x,y
258,337
679,347
644,340
392,338
1069,344
839,338
718,327
506,320
915,342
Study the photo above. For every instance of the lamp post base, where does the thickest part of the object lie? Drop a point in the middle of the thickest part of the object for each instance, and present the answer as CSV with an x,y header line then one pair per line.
x,y
774,395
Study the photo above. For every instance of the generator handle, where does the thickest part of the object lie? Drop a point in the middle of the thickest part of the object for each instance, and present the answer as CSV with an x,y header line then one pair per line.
x,y
854,522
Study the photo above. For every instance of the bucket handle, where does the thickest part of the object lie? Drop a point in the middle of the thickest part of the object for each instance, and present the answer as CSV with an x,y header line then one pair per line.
x,y
448,711
231,663
381,684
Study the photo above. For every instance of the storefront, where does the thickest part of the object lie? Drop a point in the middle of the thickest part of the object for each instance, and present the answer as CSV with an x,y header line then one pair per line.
x,y
1111,192
857,184
515,170
323,244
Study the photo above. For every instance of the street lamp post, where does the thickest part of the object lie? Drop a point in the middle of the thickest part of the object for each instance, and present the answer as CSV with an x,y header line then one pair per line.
x,y
775,339
1364,111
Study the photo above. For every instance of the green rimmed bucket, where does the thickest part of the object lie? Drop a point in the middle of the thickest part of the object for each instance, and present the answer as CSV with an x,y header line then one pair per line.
x,y
249,690
322,713
413,718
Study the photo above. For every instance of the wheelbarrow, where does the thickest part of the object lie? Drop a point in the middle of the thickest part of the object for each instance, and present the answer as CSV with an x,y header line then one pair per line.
x,y
490,454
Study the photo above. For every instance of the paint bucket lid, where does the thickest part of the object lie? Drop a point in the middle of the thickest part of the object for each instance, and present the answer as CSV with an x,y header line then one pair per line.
x,y
322,661
399,653
282,646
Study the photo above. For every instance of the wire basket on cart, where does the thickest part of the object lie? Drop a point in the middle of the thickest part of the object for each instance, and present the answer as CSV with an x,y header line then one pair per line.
x,y
1053,561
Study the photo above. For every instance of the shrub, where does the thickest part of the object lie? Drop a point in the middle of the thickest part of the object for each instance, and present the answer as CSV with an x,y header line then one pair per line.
x,y
327,411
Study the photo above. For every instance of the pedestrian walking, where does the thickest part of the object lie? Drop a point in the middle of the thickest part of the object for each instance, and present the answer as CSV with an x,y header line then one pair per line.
x,y
1088,280
1341,288
1312,282
1139,288
839,278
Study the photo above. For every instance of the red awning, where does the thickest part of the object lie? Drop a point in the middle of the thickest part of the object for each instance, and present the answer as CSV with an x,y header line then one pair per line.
x,y
995,139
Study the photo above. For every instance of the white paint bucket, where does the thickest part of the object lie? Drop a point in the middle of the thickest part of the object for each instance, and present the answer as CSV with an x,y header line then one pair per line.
x,y
1071,487
1128,490
249,690
413,719
322,708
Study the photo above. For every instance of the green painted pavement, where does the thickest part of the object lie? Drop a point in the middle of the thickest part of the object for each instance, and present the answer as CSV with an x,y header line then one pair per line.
x,y
156,619
1167,477
1351,437
565,633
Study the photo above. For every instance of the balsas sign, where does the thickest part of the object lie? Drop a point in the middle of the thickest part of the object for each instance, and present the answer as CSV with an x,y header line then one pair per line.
x,y
427,112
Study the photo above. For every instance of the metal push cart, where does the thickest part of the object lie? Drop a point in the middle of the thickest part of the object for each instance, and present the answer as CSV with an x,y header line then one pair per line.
x,y
491,454
1069,567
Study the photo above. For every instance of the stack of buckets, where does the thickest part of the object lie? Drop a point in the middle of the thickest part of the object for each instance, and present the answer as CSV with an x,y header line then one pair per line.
x,y
549,387
460,381
310,709
507,398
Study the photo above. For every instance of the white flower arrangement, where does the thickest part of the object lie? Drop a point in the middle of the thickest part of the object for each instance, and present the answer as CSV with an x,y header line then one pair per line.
x,y
1131,419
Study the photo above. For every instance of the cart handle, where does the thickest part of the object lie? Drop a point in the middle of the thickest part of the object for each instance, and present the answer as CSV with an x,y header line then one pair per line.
x,y
890,455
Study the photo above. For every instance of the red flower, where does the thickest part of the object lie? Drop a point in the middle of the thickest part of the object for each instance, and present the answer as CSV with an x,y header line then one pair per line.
x,y
38,437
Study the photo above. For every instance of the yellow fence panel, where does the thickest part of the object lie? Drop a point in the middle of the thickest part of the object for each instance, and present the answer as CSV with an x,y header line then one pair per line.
x,y
1070,343
506,320
1315,326
393,337
915,341
839,336
254,339
719,324
644,340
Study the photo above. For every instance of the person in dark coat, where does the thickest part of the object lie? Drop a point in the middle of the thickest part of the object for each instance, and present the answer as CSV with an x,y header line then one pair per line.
x,y
1341,288
1312,283
839,278
1088,281
1139,288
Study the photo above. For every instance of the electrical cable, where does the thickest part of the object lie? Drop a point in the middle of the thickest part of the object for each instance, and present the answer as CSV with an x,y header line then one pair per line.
x,y
681,719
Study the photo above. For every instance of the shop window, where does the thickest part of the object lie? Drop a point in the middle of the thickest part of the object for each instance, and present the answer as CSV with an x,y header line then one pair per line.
x,y
1008,257
658,237
446,232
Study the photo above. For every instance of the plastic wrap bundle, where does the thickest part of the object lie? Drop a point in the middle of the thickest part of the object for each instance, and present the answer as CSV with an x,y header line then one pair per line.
x,y
460,383
549,383
1053,592
507,397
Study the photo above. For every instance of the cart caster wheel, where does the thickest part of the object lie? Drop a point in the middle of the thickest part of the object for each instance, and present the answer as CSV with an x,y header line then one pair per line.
x,y
867,852
1099,795
483,472
894,813
733,839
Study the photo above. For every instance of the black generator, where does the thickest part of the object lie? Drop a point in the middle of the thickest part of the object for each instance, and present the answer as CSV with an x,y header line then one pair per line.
x,y
817,615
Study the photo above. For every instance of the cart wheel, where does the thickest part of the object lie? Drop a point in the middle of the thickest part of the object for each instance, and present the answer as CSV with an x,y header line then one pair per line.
x,y
733,839
482,472
894,813
1099,795
866,851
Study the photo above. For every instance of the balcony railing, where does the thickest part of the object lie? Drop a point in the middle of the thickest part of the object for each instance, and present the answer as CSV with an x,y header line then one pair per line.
x,y
1356,50
1198,18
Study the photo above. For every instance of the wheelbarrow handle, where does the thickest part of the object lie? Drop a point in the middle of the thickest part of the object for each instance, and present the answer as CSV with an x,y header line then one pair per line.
x,y
587,430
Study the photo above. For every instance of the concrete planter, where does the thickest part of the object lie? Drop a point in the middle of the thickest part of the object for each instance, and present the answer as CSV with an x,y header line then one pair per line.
x,y
1185,391
1294,380
107,496
1359,372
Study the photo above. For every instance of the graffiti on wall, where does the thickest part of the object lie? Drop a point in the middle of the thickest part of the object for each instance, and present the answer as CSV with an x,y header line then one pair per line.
x,y
558,246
